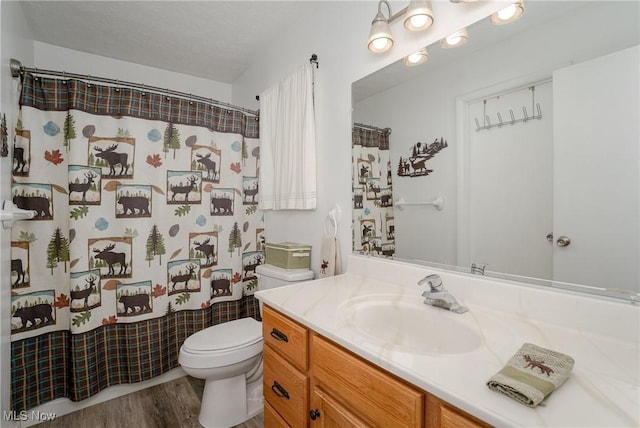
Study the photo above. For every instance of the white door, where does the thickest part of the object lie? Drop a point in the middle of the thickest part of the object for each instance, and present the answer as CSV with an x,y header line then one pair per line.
x,y
511,184
596,166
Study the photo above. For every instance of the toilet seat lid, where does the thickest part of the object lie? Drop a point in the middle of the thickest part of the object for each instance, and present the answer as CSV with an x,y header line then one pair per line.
x,y
238,333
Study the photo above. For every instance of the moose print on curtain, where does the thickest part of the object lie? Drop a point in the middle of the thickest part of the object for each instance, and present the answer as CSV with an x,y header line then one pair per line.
x,y
146,231
373,221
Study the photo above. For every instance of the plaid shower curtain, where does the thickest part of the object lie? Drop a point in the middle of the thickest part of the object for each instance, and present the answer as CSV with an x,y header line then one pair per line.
x,y
146,231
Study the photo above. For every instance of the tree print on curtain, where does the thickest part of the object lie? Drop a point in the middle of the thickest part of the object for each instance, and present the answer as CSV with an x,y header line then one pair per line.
x,y
373,222
146,221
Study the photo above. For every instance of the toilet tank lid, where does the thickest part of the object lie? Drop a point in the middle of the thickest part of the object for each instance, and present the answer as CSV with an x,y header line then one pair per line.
x,y
284,274
232,334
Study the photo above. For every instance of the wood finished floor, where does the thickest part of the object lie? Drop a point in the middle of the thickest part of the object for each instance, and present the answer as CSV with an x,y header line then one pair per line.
x,y
174,404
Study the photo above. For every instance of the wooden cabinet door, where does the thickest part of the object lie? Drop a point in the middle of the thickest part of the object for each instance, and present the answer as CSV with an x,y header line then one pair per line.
x,y
286,336
376,396
451,418
327,412
440,414
285,388
272,418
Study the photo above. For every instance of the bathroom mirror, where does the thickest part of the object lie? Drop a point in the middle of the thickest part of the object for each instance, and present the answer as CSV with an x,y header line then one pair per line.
x,y
526,138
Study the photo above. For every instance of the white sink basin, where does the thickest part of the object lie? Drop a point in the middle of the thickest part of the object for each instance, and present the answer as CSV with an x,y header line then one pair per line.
x,y
406,324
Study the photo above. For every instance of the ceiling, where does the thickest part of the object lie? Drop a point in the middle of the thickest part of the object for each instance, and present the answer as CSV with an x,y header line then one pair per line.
x,y
481,35
215,40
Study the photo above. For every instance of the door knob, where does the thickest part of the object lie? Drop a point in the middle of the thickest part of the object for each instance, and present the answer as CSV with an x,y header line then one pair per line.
x,y
563,241
550,237
314,414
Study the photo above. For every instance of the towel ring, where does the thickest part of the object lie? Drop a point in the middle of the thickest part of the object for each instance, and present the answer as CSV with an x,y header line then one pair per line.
x,y
333,217
334,224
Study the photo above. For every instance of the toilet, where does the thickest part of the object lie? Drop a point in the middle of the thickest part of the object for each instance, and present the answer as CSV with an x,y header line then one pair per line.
x,y
229,357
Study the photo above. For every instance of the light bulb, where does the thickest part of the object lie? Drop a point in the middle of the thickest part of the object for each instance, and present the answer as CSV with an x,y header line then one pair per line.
x,y
507,12
454,39
419,21
380,43
414,58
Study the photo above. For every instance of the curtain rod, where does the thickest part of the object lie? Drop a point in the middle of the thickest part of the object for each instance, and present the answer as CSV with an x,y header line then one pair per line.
x,y
373,128
312,60
17,69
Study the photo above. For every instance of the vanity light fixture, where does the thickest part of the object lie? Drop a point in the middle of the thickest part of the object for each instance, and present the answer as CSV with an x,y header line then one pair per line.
x,y
418,16
416,58
508,14
456,39
380,38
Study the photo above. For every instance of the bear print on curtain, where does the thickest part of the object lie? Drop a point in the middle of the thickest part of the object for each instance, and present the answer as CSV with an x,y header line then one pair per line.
x,y
146,231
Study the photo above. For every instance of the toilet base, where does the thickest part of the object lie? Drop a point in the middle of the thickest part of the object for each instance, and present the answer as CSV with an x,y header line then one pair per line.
x,y
229,402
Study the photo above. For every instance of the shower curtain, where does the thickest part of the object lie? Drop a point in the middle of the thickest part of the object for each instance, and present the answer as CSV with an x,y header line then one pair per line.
x,y
372,193
147,230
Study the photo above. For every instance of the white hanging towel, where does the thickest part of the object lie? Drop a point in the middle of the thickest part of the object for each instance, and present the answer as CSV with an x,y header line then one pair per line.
x,y
330,257
287,178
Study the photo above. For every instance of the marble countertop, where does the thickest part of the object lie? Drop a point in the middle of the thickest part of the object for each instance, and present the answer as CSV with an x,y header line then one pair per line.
x,y
603,389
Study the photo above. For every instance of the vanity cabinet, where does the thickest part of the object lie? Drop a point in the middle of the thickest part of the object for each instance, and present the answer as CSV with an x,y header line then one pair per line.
x,y
312,382
287,337
285,388
374,395
285,364
440,414
272,418
327,412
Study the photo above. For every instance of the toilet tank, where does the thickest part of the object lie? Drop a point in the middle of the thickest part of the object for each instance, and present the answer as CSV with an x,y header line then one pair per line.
x,y
270,276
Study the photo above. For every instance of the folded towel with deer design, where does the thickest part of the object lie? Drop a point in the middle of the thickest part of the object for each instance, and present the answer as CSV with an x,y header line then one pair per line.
x,y
532,374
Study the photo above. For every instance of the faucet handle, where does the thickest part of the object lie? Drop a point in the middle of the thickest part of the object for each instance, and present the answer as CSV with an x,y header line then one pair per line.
x,y
434,281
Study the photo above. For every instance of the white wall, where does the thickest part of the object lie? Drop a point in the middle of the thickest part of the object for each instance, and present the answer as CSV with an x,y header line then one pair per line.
x,y
337,32
15,41
429,110
52,57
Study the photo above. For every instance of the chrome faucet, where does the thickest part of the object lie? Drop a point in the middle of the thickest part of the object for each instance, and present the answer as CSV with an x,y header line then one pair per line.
x,y
438,296
478,269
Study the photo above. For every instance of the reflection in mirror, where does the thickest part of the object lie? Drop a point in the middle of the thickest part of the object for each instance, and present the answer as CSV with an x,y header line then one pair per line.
x,y
529,134
374,231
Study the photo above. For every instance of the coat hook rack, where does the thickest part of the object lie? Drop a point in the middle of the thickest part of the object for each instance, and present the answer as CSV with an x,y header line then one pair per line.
x,y
536,113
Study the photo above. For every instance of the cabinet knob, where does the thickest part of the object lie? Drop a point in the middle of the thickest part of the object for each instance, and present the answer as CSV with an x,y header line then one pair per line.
x,y
314,414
